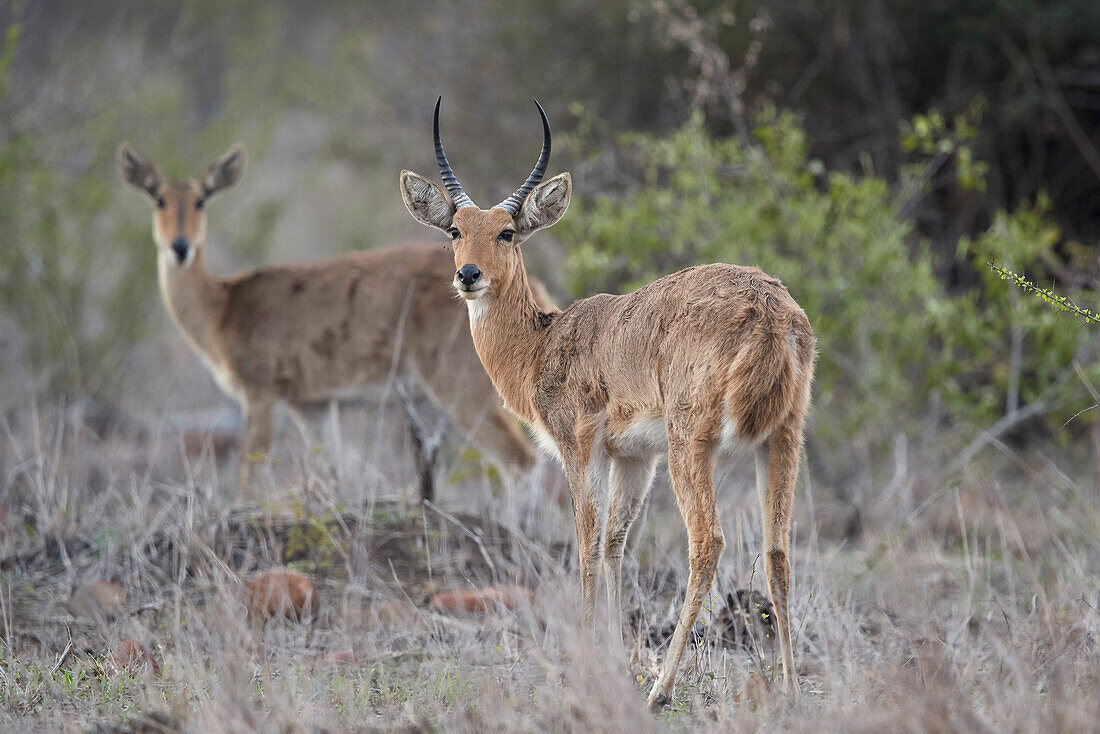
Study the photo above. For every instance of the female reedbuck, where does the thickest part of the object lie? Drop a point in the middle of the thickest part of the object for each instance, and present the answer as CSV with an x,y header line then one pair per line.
x,y
713,355
311,332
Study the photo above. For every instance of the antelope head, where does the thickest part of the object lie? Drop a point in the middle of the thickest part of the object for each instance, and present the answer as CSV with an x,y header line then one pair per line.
x,y
486,241
179,207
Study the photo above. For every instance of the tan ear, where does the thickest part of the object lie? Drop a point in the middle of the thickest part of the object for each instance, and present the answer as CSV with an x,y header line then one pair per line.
x,y
225,171
136,170
426,201
545,205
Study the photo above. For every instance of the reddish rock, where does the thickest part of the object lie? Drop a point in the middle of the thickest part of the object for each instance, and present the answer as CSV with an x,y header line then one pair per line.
x,y
133,656
281,592
481,600
98,599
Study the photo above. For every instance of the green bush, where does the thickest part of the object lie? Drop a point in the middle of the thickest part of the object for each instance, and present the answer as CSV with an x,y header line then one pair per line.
x,y
67,271
889,333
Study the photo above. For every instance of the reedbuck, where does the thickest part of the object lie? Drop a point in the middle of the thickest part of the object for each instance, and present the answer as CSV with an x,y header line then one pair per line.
x,y
713,356
312,332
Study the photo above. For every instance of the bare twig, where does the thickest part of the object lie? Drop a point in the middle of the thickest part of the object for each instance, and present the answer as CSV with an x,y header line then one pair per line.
x,y
998,429
426,443
462,526
64,653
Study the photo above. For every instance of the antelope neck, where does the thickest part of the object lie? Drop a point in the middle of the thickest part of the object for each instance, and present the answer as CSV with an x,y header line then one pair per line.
x,y
509,338
195,300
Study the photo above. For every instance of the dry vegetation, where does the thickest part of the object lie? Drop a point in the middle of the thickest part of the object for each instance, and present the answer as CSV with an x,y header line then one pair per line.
x,y
969,607
951,585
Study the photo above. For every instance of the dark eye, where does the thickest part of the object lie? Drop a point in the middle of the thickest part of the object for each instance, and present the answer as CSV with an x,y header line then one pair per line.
x,y
200,203
160,202
507,235
454,233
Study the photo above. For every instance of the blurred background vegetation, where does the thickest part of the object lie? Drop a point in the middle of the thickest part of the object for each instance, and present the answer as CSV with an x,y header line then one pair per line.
x,y
873,155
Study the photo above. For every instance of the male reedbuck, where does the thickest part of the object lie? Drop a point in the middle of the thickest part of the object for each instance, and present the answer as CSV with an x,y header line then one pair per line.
x,y
712,356
312,332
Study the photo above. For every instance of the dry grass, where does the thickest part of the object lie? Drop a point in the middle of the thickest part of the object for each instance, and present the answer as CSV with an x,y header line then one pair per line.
x,y
966,606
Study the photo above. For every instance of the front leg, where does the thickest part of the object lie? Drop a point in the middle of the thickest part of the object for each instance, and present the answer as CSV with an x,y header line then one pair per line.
x,y
575,449
587,517
259,424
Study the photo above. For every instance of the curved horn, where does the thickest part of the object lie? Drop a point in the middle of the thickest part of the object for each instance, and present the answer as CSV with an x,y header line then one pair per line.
x,y
449,181
515,201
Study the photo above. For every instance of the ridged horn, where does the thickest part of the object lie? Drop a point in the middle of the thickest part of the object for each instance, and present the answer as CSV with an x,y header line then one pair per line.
x,y
454,188
513,203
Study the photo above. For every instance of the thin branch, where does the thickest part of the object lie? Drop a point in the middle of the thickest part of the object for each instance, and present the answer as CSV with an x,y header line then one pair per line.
x,y
1086,410
463,527
64,654
1060,303
998,429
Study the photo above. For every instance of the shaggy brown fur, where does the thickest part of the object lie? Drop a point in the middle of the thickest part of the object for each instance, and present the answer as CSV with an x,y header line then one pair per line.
x,y
710,355
309,332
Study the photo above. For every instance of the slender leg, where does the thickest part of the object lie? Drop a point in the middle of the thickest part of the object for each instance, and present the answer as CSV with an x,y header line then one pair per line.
x,y
259,422
690,466
776,471
630,480
586,515
576,452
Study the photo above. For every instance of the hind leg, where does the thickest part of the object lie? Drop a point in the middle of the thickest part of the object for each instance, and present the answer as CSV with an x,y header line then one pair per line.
x,y
776,471
691,468
630,480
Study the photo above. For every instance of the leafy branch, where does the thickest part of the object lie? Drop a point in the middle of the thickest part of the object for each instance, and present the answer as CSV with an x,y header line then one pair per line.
x,y
1057,302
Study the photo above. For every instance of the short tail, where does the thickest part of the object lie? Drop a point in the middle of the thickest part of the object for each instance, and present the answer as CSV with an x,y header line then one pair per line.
x,y
770,376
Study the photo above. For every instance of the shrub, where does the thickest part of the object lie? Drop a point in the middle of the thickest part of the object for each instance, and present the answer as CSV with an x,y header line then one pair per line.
x,y
889,332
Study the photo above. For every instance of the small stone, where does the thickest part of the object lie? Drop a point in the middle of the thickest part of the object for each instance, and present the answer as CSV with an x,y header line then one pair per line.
x,y
134,657
281,592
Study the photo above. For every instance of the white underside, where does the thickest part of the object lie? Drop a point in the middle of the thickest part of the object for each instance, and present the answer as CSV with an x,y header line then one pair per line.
x,y
645,437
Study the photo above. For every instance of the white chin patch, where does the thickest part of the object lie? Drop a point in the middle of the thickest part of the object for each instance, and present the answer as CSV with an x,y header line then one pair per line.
x,y
477,307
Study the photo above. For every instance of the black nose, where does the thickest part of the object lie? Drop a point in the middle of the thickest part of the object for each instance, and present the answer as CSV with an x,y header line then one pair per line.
x,y
468,275
180,247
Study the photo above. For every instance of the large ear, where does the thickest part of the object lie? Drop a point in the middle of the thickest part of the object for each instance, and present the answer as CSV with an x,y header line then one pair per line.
x,y
426,201
545,205
225,171
136,170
